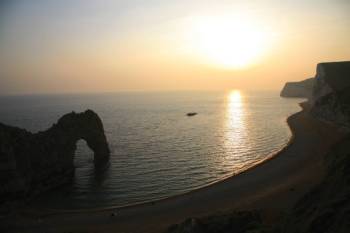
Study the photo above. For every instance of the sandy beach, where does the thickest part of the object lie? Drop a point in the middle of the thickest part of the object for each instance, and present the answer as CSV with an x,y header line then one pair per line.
x,y
271,186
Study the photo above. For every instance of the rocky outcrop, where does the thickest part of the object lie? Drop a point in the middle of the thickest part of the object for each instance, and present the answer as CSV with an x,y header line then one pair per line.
x,y
331,93
31,163
302,89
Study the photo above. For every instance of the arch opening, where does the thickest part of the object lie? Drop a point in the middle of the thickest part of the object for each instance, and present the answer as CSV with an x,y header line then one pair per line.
x,y
83,159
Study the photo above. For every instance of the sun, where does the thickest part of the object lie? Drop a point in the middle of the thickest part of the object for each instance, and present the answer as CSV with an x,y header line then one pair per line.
x,y
228,41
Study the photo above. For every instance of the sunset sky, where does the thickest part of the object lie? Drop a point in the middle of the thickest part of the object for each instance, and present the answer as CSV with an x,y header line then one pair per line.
x,y
104,45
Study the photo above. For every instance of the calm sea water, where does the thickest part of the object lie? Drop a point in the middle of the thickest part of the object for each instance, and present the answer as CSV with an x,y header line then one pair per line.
x,y
156,150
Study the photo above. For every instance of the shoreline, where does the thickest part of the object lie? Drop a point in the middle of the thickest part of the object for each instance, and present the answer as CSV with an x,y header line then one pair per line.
x,y
261,186
269,157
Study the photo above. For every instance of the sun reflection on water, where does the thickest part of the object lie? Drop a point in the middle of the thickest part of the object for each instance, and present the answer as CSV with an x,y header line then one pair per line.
x,y
235,112
235,129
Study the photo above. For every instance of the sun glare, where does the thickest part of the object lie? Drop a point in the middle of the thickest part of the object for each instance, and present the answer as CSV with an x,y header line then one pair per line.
x,y
227,41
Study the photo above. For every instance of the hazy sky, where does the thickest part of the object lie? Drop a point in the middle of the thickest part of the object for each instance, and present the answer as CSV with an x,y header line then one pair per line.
x,y
50,46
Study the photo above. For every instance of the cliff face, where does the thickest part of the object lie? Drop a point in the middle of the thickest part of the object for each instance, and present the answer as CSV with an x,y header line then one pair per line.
x,y
331,93
328,92
31,163
302,89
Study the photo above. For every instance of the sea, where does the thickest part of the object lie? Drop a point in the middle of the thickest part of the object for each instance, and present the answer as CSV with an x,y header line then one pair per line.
x,y
157,151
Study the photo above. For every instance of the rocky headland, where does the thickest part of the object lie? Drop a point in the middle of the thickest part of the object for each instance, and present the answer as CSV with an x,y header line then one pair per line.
x,y
33,163
302,89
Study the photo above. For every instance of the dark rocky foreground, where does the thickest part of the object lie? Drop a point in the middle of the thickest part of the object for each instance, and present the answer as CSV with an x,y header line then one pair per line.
x,y
237,222
32,163
325,209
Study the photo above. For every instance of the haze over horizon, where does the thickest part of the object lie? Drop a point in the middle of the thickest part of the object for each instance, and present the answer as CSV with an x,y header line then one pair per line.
x,y
101,46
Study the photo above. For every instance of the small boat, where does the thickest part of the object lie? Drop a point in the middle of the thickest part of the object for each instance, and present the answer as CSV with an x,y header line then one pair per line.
x,y
191,114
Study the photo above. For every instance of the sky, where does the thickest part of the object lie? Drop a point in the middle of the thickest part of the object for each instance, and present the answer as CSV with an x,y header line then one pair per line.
x,y
78,46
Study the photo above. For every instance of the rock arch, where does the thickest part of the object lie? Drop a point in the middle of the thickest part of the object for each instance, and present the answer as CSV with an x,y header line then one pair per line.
x,y
31,163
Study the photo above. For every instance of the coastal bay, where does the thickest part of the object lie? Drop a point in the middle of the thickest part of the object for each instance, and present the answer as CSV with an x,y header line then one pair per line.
x,y
270,187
